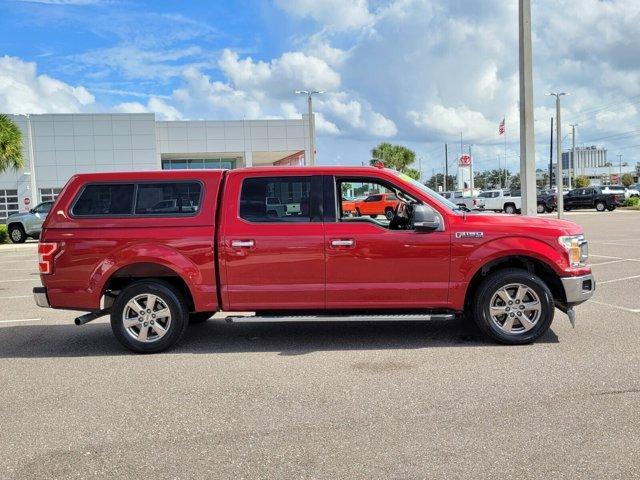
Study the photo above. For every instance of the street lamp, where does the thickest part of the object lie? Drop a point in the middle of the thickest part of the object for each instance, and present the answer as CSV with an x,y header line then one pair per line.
x,y
559,184
312,123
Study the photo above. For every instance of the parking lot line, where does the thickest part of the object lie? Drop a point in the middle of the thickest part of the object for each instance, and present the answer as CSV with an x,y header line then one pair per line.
x,y
632,310
21,320
607,263
619,279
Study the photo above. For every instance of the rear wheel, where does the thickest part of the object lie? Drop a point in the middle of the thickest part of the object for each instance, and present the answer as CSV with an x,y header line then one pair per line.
x,y
510,208
600,206
541,208
149,316
388,213
513,306
17,234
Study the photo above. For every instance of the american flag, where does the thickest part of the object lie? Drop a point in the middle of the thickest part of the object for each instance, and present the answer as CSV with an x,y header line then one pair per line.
x,y
501,127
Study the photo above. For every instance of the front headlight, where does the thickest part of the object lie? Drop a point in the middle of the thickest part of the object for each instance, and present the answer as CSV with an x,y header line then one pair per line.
x,y
577,249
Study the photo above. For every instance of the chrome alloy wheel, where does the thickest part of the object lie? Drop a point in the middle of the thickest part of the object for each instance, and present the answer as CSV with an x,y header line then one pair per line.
x,y
515,308
16,235
146,318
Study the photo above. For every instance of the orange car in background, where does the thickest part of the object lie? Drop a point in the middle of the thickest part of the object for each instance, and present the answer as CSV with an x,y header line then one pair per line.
x,y
377,204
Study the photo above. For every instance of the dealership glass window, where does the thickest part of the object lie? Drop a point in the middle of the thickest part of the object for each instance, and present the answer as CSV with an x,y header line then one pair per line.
x,y
8,203
49,194
273,200
198,163
168,198
105,199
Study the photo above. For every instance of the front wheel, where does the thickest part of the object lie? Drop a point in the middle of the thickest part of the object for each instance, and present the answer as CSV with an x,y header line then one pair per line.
x,y
149,316
513,306
600,206
17,234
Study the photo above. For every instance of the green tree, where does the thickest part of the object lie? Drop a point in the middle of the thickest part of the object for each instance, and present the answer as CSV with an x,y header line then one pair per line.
x,y
397,157
581,181
437,180
10,145
514,182
627,179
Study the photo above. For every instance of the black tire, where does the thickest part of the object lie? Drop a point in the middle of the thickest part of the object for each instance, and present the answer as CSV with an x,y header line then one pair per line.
x,y
373,216
611,209
492,284
510,208
200,317
388,213
17,233
171,298
600,206
541,208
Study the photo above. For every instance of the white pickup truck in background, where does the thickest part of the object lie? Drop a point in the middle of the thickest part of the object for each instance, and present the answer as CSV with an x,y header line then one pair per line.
x,y
498,201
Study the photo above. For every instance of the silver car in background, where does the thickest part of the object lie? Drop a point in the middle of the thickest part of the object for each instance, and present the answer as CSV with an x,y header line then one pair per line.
x,y
27,224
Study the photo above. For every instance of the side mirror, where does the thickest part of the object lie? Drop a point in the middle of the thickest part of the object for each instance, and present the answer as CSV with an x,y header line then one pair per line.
x,y
425,219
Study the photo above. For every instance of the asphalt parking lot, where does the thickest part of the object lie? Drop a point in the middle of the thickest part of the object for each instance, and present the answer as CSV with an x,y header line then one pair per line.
x,y
409,400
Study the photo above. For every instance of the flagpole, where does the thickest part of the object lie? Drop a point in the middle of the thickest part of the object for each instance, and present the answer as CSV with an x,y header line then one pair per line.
x,y
505,150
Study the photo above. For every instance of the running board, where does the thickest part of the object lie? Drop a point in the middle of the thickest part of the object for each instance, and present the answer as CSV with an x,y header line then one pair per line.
x,y
342,318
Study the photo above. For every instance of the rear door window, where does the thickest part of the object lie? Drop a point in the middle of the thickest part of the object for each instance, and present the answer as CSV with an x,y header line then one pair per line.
x,y
168,198
105,200
278,199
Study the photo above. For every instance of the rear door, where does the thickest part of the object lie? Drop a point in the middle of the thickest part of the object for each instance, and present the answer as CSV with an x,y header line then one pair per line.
x,y
273,259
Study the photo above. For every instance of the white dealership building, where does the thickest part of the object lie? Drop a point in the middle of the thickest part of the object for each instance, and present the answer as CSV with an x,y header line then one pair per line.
x,y
57,146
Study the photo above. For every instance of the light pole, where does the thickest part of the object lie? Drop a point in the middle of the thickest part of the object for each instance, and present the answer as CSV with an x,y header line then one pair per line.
x,y
559,184
572,162
620,167
527,141
312,123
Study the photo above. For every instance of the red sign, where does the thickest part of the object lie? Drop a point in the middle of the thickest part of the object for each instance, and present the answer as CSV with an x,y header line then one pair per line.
x,y
27,200
465,160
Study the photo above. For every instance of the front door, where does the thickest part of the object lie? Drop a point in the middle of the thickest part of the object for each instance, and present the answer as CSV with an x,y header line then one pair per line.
x,y
273,258
372,265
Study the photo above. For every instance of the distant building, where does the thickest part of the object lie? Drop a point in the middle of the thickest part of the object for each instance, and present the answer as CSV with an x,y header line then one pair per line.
x,y
57,146
593,163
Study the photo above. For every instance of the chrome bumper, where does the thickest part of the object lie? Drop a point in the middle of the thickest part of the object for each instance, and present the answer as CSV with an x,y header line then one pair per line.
x,y
578,289
40,296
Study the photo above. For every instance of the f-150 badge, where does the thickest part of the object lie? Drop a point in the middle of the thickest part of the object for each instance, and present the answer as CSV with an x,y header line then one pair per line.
x,y
469,234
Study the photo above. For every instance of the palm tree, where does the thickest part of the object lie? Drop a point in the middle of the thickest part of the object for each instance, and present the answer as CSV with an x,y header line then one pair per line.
x,y
10,145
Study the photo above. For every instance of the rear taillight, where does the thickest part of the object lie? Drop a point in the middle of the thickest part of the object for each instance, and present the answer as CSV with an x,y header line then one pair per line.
x,y
46,252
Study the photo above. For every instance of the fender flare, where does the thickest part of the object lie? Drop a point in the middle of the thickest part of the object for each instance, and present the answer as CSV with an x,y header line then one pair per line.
x,y
144,253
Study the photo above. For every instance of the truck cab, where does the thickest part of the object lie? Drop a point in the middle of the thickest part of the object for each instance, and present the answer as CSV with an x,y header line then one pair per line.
x,y
103,251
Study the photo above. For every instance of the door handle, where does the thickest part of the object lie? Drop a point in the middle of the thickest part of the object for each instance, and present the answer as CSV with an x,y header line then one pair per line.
x,y
343,243
242,243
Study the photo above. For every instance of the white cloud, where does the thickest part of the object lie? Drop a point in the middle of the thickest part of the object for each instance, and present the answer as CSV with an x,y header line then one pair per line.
x,y
280,77
335,14
22,90
156,105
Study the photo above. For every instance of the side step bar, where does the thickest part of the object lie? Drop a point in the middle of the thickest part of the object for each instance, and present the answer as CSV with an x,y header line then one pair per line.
x,y
413,317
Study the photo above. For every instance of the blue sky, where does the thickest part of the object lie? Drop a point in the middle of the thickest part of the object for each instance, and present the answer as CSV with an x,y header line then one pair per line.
x,y
415,72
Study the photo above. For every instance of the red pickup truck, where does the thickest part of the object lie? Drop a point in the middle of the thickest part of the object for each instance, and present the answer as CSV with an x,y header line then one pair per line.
x,y
158,250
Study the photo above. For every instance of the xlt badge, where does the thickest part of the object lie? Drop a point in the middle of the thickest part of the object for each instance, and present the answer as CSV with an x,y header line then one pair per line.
x,y
469,234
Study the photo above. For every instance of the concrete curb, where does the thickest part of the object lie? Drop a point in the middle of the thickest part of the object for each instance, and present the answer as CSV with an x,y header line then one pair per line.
x,y
19,247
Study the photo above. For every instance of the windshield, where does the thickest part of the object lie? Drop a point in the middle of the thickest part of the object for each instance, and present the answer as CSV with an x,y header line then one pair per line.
x,y
423,188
